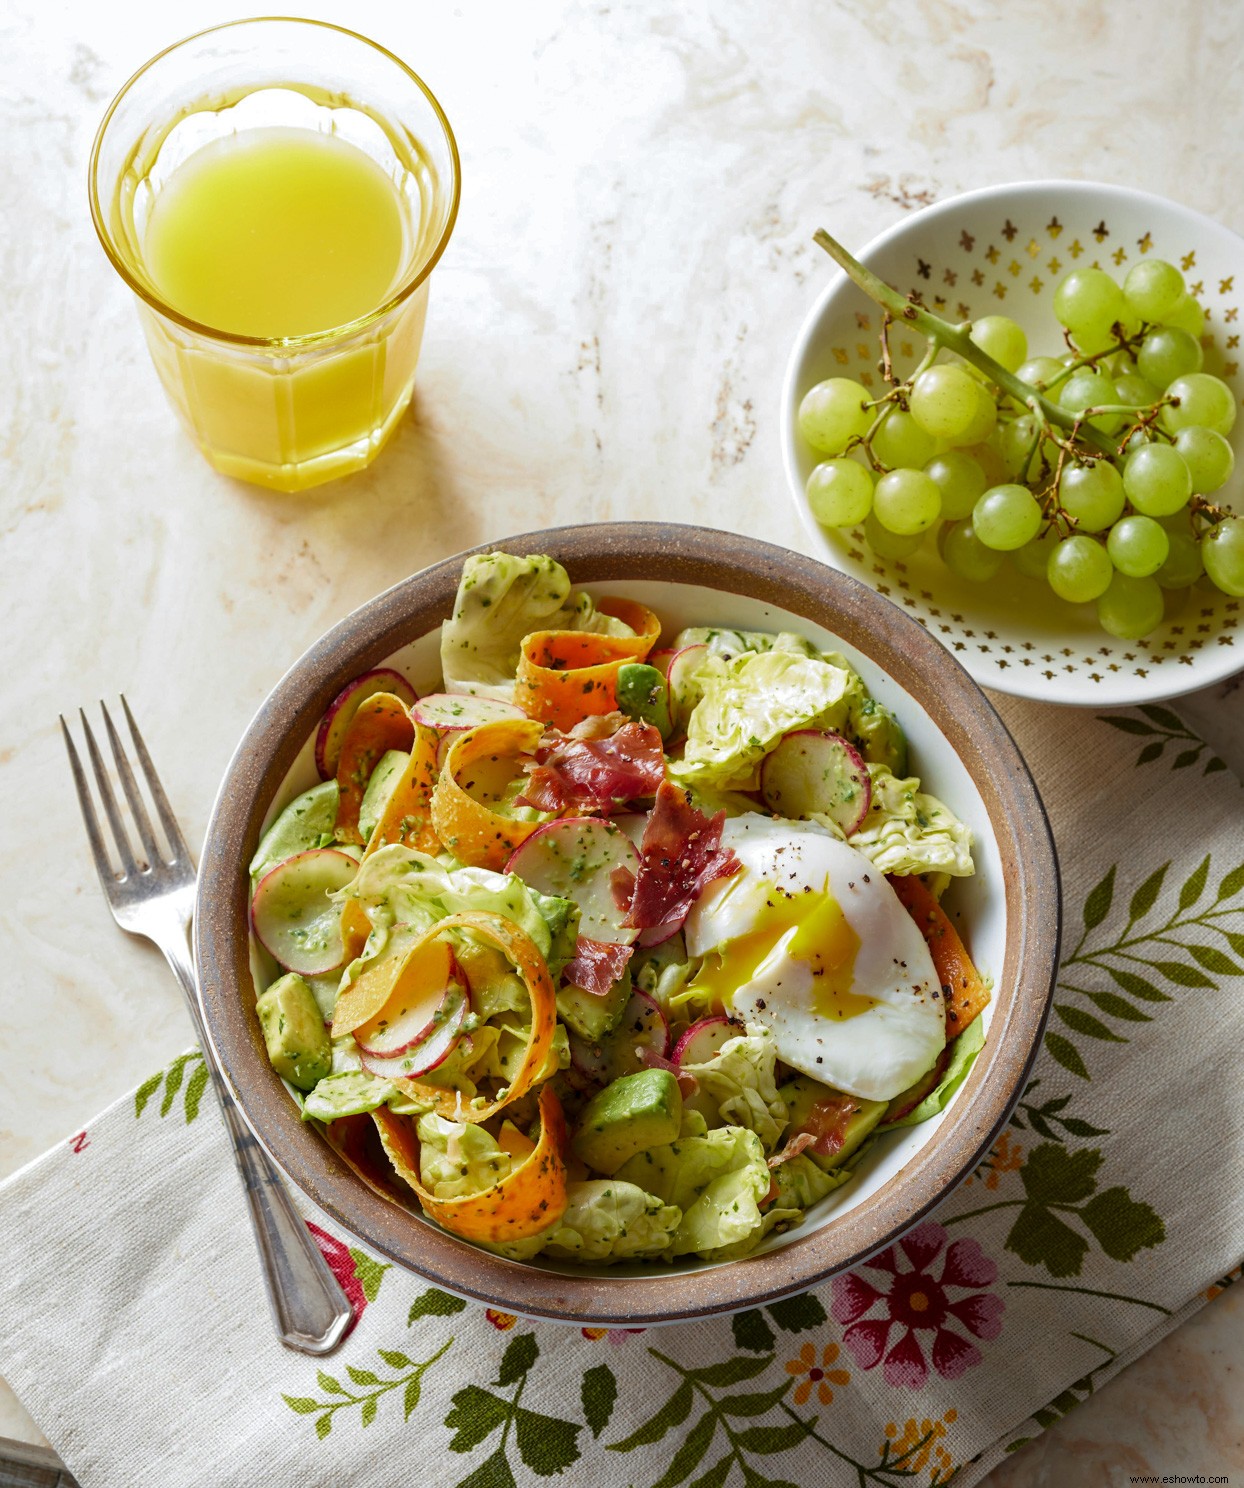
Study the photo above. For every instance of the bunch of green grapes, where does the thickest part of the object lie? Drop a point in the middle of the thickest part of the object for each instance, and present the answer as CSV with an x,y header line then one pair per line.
x,y
1119,517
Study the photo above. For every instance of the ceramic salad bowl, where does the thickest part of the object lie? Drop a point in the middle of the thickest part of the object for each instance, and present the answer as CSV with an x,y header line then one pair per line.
x,y
1008,912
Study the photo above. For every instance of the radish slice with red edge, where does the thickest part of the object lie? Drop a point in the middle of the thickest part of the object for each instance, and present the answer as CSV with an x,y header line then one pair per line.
x,y
661,659
345,705
703,1039
449,712
426,1054
640,1039
575,858
812,771
412,1016
292,915
684,697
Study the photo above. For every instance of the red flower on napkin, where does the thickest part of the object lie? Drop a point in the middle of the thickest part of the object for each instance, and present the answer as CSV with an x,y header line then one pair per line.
x,y
920,1302
341,1264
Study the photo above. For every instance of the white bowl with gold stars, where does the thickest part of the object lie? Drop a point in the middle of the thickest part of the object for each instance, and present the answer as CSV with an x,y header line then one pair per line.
x,y
1002,251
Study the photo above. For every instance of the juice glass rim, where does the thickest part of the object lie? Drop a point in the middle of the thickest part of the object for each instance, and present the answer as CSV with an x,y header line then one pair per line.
x,y
311,338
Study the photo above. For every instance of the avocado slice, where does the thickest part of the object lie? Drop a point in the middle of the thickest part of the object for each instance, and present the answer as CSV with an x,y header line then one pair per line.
x,y
380,787
881,736
643,694
590,1016
630,1115
293,1029
858,1118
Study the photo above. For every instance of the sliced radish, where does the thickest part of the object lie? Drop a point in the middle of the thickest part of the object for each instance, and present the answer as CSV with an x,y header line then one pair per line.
x,y
810,771
345,705
661,659
640,1039
656,935
633,824
429,1052
703,1039
683,695
415,1010
575,858
449,712
292,915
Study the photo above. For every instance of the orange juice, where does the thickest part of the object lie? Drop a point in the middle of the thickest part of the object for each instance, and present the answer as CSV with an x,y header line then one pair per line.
x,y
276,193
276,232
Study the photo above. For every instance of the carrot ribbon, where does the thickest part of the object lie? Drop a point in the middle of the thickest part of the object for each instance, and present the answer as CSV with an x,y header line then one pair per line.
x,y
565,676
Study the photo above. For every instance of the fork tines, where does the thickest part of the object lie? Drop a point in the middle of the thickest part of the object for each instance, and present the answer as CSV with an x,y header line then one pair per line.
x,y
153,855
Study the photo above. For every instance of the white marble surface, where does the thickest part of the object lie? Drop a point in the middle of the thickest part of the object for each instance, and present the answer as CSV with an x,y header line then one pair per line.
x,y
607,336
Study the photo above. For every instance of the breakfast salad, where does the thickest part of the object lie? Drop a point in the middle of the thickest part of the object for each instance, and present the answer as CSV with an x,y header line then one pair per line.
x,y
624,951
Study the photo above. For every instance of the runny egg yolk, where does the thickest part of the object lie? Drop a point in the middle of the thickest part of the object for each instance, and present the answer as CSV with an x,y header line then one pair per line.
x,y
823,939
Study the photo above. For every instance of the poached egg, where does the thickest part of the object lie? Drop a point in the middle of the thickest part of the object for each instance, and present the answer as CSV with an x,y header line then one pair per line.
x,y
808,938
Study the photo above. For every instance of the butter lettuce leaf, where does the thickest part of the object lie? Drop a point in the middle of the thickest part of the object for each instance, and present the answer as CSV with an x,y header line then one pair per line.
x,y
458,1158
609,1220
734,642
747,703
739,1084
963,1052
802,1182
908,831
717,1180
398,885
502,598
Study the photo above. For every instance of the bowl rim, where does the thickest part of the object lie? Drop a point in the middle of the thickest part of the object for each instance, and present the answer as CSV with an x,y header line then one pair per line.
x,y
674,553
1058,691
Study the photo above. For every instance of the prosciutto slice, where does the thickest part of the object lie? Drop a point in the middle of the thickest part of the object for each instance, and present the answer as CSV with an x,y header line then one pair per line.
x,y
596,965
586,775
680,854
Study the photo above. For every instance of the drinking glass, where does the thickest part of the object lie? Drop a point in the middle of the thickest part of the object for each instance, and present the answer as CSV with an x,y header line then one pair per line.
x,y
285,412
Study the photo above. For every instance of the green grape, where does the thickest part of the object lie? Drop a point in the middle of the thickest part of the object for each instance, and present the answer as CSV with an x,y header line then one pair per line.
x,y
960,479
984,420
1138,546
906,502
1176,601
990,461
1014,440
1156,480
1208,456
966,556
1201,399
1092,494
1091,390
1088,302
901,443
1130,608
1183,565
888,544
999,337
1188,316
840,493
1007,517
1222,549
1079,569
833,413
1153,288
944,401
1167,353
1040,371
1136,391
1032,559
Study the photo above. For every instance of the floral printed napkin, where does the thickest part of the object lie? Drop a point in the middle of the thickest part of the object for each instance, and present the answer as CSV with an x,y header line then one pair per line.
x,y
135,1329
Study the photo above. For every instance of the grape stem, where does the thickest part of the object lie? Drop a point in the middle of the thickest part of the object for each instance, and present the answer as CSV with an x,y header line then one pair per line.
x,y
956,338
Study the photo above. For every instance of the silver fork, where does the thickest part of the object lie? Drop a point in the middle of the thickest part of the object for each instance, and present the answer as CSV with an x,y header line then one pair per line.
x,y
153,895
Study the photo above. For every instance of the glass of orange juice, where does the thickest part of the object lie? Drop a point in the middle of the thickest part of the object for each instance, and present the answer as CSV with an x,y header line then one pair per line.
x,y
276,192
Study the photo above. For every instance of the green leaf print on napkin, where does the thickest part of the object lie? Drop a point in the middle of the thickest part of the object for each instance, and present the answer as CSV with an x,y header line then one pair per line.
x,y
1144,959
547,1444
372,1385
792,1315
172,1080
1060,1183
1162,728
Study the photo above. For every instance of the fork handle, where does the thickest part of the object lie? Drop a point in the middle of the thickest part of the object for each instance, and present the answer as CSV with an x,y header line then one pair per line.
x,y
308,1306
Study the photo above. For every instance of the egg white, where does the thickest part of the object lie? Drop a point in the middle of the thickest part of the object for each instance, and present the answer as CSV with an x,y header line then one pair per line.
x,y
874,1049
